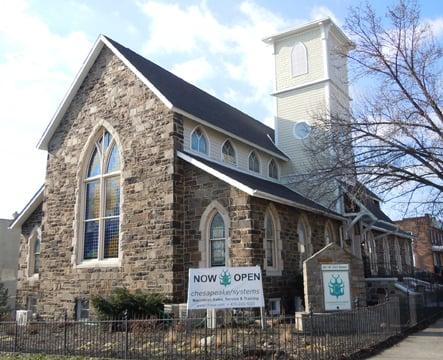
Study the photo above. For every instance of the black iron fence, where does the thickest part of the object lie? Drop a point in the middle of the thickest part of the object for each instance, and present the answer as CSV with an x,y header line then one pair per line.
x,y
232,335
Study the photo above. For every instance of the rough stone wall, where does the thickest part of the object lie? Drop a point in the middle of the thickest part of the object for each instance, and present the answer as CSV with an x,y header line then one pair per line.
x,y
27,286
422,246
148,135
313,281
247,216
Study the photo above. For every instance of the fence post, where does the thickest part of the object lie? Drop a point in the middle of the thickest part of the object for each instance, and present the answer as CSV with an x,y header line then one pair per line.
x,y
126,334
311,320
65,332
15,335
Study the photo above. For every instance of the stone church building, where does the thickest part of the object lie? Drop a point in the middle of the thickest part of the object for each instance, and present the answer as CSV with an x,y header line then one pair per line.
x,y
148,176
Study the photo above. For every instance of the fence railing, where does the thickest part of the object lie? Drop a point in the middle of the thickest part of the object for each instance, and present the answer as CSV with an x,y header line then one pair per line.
x,y
313,336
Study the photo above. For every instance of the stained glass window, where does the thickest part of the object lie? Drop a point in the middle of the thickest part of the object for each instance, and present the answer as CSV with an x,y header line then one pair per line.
x,y
273,170
102,200
217,238
270,241
254,164
199,142
228,153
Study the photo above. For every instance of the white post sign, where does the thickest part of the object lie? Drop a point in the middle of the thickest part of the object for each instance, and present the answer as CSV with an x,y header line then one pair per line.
x,y
336,287
225,287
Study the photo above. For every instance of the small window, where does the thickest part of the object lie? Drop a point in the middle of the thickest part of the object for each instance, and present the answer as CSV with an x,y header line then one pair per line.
x,y
274,306
273,170
254,163
81,309
199,142
37,244
302,130
217,239
228,153
299,59
270,241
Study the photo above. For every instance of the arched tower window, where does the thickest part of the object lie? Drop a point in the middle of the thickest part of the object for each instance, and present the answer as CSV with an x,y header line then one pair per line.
x,y
199,142
228,153
101,221
304,240
299,59
254,162
273,169
217,240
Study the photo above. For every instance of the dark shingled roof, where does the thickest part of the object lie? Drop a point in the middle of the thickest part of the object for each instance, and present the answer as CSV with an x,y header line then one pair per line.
x,y
200,104
263,185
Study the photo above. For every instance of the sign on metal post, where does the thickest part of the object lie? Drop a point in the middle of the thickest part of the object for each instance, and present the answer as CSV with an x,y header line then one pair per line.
x,y
336,287
225,288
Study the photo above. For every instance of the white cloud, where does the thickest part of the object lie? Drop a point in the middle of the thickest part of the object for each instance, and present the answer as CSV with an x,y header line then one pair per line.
x,y
436,26
194,70
321,12
36,69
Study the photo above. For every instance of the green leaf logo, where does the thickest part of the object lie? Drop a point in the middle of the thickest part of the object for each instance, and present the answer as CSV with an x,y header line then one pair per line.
x,y
225,278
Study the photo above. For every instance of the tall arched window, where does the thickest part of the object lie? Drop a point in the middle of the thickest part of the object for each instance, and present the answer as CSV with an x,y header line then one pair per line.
x,y
217,240
37,245
329,233
270,241
34,245
254,163
228,153
398,258
273,169
304,240
371,252
102,200
199,142
386,255
299,59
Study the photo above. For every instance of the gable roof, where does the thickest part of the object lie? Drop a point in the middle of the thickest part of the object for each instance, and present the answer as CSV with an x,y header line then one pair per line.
x,y
257,186
29,208
179,96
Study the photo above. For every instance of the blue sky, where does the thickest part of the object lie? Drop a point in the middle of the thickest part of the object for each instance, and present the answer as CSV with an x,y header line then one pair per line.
x,y
213,44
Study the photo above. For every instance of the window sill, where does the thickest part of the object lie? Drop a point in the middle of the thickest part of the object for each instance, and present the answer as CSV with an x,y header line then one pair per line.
x,y
107,263
273,272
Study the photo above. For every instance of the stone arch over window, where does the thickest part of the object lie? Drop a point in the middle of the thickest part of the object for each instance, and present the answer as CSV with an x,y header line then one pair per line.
x,y
273,169
398,257
200,141
272,244
329,233
99,200
254,162
214,236
299,59
34,251
229,155
371,252
304,239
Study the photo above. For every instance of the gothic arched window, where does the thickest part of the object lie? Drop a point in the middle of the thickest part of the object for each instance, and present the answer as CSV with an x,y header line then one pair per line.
x,y
228,153
101,221
254,163
217,240
304,240
273,169
199,142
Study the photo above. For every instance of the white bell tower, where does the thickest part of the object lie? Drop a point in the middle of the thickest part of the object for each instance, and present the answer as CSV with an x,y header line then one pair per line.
x,y
311,80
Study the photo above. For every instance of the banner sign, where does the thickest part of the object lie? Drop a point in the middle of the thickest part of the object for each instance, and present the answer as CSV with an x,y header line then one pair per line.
x,y
225,287
336,287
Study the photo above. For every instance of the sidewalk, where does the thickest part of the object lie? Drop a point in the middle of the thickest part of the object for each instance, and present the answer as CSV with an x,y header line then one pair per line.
x,y
426,344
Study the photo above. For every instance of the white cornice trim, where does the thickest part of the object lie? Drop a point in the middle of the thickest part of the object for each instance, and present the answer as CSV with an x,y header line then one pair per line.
x,y
250,191
35,201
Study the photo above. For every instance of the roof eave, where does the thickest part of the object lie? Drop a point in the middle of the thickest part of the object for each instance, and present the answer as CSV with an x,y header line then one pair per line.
x,y
35,201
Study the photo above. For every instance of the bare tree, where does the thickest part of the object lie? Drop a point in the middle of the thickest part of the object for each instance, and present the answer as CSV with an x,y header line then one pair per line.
x,y
392,139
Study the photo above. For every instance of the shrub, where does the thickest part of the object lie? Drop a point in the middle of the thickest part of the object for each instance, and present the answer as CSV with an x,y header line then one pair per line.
x,y
136,305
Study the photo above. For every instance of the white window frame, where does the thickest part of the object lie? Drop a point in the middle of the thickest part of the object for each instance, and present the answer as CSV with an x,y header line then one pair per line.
x,y
276,166
205,135
205,224
277,302
306,243
79,308
277,259
36,233
222,155
258,160
87,154
329,229
302,67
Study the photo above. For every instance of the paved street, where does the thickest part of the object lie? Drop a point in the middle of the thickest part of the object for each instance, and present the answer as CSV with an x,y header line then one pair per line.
x,y
426,344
